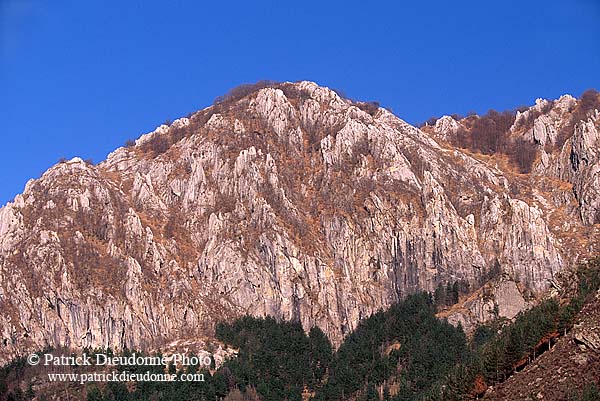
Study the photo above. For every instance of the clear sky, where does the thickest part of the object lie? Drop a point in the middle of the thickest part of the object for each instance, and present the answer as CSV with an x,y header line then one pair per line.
x,y
79,78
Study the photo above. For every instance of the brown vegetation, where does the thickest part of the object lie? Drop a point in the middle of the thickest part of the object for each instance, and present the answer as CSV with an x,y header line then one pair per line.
x,y
487,134
589,101
523,153
250,394
368,107
158,144
490,134
527,122
241,91
293,93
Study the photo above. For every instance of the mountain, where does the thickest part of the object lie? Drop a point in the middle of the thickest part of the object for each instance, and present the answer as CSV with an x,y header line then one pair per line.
x,y
565,371
286,199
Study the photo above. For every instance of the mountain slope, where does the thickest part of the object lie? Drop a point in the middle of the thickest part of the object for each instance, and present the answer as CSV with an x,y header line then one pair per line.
x,y
571,365
283,200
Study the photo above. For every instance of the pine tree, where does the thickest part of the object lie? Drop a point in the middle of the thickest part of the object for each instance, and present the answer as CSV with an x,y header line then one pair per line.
x,y
455,293
515,347
94,394
439,296
29,394
320,353
371,394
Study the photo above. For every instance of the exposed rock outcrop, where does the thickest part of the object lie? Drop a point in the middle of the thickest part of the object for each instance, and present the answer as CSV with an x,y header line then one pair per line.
x,y
289,201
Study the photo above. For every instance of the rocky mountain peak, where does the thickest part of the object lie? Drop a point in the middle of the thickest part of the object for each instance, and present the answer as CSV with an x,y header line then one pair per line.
x,y
284,199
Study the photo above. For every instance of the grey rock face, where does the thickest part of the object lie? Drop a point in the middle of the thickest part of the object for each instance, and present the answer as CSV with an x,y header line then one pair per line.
x,y
589,337
289,202
446,127
577,162
500,298
586,332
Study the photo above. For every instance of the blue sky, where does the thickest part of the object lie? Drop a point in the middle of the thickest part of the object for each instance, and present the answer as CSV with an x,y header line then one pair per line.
x,y
79,78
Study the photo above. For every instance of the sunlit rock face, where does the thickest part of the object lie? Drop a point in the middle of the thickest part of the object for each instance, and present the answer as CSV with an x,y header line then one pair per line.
x,y
287,201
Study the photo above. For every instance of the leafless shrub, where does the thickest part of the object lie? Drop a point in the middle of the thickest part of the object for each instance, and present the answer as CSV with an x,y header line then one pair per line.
x,y
224,203
242,91
359,149
158,144
523,153
532,115
429,122
458,117
368,107
315,133
417,164
178,133
172,225
488,134
250,394
589,100
292,92
341,94
129,143
364,187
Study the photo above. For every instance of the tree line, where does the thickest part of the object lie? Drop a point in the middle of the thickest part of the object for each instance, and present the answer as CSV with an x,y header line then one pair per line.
x,y
403,353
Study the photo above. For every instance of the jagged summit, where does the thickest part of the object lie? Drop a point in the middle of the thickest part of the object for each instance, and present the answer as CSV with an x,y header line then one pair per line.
x,y
286,200
296,99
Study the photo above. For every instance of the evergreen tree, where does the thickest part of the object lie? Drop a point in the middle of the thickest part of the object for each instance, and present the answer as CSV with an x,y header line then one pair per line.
x,y
455,293
320,353
371,394
29,394
94,394
439,296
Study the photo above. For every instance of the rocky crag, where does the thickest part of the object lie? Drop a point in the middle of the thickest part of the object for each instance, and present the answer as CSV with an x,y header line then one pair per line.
x,y
289,200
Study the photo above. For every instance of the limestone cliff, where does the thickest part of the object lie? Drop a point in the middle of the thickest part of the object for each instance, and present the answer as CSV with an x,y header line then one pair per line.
x,y
288,201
